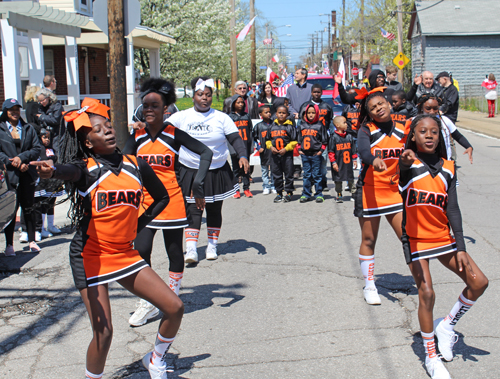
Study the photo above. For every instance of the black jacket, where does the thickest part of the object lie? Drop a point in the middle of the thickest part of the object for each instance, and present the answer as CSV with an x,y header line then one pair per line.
x,y
417,91
30,150
31,109
350,98
450,102
51,116
406,111
252,103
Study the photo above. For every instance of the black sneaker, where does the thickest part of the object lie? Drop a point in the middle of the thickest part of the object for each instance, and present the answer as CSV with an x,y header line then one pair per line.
x,y
278,199
320,199
287,198
339,198
304,199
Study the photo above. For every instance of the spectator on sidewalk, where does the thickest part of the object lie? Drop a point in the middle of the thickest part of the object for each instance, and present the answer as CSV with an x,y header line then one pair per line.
x,y
450,96
251,103
424,84
50,111
300,93
50,83
267,97
31,104
491,86
391,73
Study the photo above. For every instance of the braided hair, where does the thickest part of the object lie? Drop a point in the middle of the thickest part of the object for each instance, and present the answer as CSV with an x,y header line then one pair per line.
x,y
412,145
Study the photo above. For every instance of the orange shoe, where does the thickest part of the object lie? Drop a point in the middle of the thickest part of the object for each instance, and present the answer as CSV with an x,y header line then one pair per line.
x,y
248,193
237,195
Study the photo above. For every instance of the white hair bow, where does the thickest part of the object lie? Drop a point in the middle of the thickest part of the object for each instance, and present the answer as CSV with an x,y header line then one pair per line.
x,y
201,84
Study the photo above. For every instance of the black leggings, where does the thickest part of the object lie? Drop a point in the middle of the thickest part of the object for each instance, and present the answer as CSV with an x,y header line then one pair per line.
x,y
43,205
214,215
25,197
173,244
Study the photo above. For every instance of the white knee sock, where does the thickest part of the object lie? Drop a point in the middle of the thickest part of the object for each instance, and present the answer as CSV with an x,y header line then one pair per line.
x,y
191,238
429,344
459,309
174,281
162,345
367,263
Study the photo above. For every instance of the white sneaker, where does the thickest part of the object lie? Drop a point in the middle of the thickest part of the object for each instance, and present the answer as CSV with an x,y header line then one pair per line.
x,y
446,340
38,236
155,372
266,191
143,313
211,252
436,369
191,256
46,234
274,191
23,237
53,229
371,296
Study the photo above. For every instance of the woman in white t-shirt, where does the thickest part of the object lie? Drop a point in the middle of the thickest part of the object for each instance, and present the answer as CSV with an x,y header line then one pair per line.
x,y
214,129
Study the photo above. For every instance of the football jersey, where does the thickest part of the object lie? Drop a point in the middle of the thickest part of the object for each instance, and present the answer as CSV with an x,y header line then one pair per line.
x,y
351,114
281,135
345,151
312,137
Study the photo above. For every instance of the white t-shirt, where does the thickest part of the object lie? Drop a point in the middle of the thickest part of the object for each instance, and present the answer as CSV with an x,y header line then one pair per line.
x,y
448,128
209,128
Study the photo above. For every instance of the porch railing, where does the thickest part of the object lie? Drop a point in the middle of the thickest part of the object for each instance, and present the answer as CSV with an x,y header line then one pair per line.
x,y
102,97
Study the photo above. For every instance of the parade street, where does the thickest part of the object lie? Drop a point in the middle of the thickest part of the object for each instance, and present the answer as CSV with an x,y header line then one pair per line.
x,y
283,300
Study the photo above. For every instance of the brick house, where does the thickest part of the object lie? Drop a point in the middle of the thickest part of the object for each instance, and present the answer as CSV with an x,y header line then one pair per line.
x,y
58,37
460,36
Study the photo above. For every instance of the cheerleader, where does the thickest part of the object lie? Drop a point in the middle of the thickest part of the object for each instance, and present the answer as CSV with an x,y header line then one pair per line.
x,y
380,142
158,144
428,186
105,189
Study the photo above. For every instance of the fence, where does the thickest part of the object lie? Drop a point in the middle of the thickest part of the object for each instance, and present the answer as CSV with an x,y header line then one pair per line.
x,y
103,98
470,101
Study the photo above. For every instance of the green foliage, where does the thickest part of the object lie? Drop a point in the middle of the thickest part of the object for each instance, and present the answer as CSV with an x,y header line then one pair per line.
x,y
186,103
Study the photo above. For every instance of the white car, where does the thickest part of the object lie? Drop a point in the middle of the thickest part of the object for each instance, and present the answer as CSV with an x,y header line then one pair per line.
x,y
181,93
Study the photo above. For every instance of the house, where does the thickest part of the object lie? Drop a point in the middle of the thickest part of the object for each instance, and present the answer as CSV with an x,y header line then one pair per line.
x,y
459,36
59,37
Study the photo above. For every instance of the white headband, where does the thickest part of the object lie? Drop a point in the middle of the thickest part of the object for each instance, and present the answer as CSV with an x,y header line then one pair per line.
x,y
201,84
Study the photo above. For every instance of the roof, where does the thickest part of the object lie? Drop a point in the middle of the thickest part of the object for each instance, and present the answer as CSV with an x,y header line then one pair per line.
x,y
456,17
31,15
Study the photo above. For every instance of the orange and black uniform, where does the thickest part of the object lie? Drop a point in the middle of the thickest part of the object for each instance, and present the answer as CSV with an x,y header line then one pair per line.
x,y
282,137
351,114
101,250
342,150
161,153
428,189
325,112
377,192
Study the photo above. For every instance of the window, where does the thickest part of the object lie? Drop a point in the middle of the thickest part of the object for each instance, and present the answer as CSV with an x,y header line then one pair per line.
x,y
48,62
84,7
23,62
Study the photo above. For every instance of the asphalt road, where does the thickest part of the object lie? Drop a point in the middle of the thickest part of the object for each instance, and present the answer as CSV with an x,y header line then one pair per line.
x,y
284,299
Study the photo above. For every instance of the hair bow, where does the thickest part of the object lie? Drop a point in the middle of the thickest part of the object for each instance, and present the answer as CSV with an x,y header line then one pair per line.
x,y
81,118
363,93
165,89
201,84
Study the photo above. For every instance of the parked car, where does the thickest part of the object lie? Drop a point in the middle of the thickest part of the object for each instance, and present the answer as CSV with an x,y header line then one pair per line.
x,y
326,81
180,92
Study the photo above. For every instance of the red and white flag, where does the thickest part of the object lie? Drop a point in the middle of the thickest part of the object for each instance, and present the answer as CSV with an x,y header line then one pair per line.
x,y
241,35
341,71
281,90
276,59
271,76
267,41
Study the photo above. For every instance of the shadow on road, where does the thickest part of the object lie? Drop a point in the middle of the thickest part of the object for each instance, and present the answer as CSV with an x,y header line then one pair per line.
x,y
388,284
204,296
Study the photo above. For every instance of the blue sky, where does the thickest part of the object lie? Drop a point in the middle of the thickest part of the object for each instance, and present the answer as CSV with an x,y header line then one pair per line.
x,y
303,16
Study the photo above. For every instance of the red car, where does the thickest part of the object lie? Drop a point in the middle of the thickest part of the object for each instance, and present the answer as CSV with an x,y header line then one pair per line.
x,y
326,82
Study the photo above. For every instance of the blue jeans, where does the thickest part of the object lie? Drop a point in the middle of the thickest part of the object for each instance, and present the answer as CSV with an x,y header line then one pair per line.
x,y
267,178
311,165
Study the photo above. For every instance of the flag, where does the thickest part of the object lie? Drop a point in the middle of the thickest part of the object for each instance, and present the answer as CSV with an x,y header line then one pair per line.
x,y
342,71
281,90
276,59
271,76
241,35
386,34
326,69
267,41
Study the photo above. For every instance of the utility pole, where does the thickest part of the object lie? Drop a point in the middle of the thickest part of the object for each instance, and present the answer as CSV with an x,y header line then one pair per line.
x,y
117,63
400,35
267,47
253,68
343,22
234,68
361,40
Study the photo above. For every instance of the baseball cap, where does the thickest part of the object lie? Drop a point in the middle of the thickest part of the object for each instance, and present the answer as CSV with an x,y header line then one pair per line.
x,y
443,74
9,103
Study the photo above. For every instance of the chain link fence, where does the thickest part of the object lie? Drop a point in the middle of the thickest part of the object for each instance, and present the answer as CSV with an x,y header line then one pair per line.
x,y
472,99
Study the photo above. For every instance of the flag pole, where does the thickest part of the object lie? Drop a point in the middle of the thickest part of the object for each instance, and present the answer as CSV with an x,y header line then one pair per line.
x,y
253,67
234,67
400,35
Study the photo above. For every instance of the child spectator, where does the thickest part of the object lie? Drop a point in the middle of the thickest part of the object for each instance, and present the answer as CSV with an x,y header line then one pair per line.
x,y
312,141
244,124
260,132
46,191
351,114
342,154
281,140
402,109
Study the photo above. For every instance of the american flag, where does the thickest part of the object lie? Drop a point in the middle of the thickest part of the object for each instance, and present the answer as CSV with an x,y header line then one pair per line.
x,y
267,41
386,34
281,90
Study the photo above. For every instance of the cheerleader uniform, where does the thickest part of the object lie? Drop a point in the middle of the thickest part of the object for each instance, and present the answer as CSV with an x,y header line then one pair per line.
x,y
428,189
101,250
377,192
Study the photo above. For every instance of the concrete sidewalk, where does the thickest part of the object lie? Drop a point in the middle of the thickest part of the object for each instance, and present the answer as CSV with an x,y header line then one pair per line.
x,y
479,122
